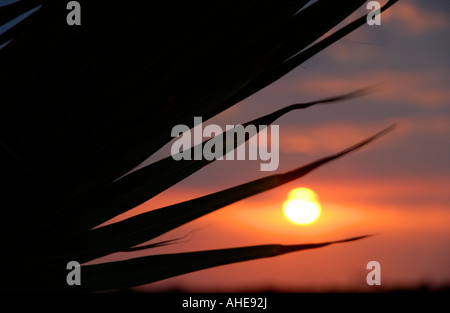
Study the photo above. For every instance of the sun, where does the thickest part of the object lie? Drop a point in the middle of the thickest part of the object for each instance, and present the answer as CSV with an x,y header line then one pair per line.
x,y
302,206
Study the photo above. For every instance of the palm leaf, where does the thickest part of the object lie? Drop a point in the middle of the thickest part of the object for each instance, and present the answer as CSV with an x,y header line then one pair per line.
x,y
143,227
285,67
146,226
106,161
67,136
145,270
143,184
15,9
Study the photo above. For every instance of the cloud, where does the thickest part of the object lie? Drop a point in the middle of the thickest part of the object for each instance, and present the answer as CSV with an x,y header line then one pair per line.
x,y
324,138
328,138
421,88
413,20
437,125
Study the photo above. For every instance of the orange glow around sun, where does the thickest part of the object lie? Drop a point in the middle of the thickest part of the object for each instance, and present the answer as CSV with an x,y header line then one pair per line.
x,y
302,206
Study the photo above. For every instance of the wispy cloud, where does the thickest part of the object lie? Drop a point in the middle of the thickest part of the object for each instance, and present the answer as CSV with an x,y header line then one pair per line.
x,y
421,88
325,138
320,139
415,21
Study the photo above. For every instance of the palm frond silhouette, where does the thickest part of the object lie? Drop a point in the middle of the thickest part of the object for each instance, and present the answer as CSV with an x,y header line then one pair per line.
x,y
81,106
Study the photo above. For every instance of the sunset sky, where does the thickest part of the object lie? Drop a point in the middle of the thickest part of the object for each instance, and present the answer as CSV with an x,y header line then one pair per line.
x,y
396,189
